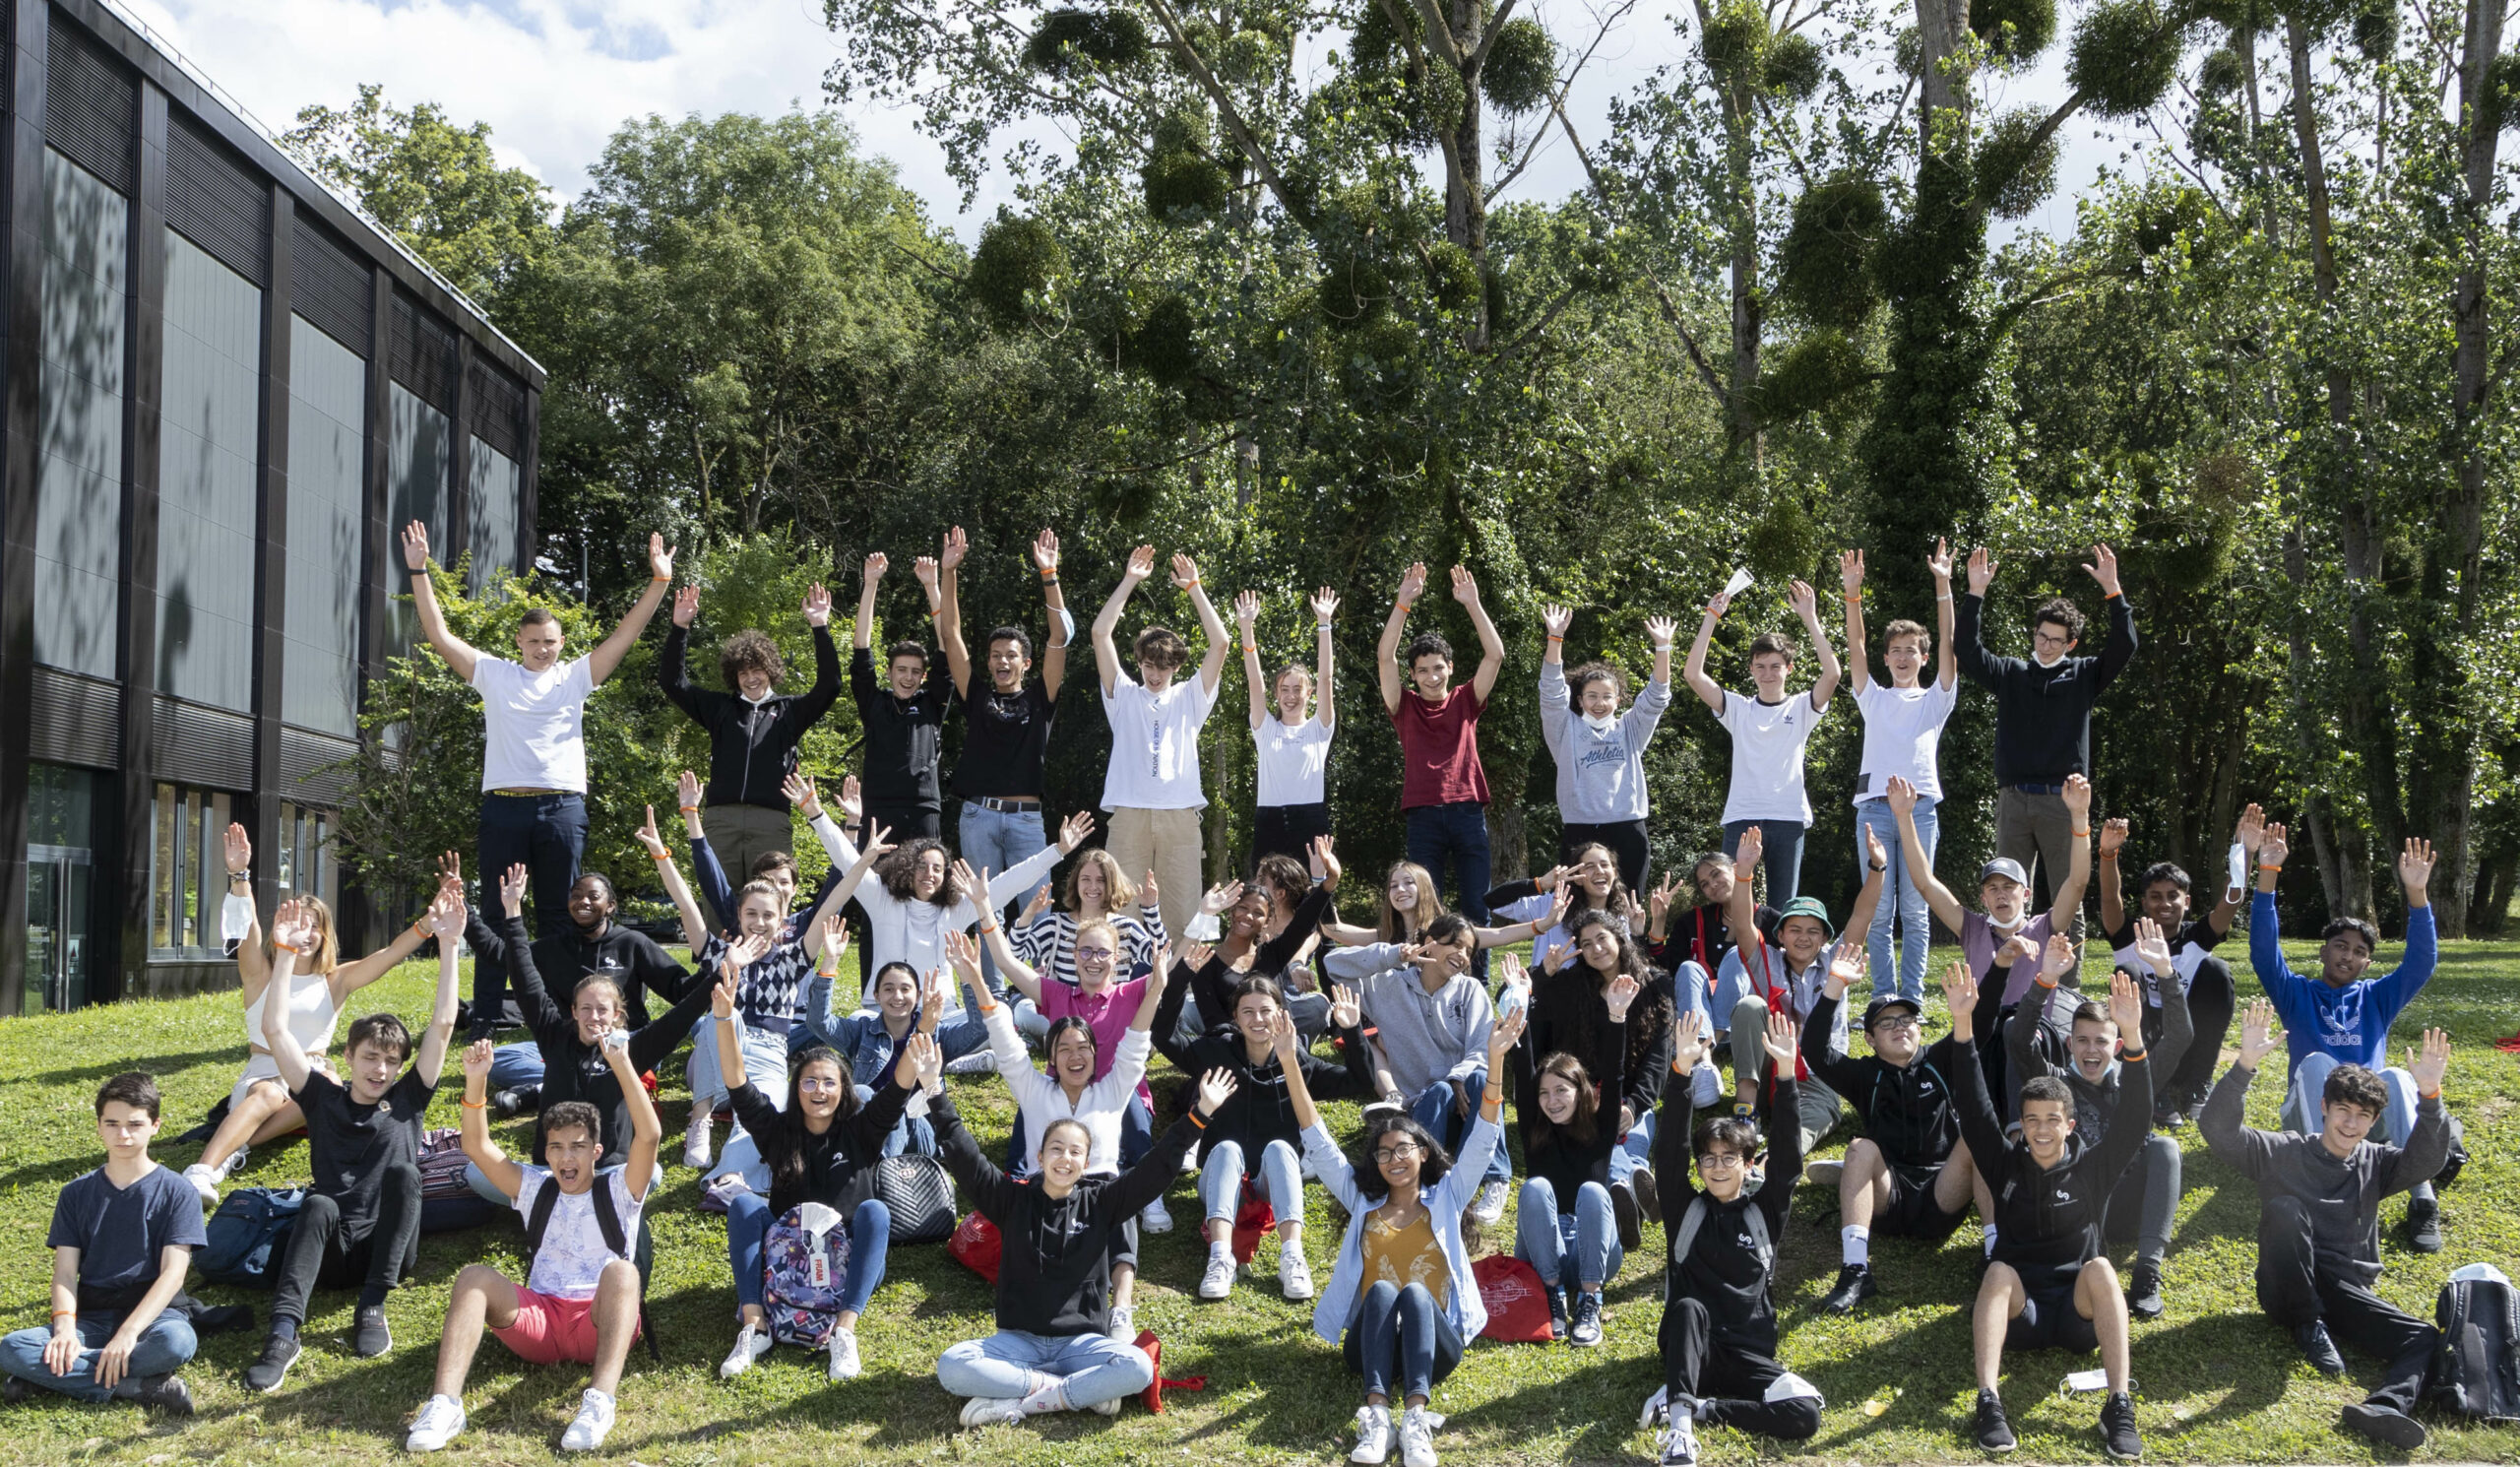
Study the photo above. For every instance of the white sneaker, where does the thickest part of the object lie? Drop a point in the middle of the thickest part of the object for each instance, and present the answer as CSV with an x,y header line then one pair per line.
x,y
1373,1436
1124,1323
695,1139
1823,1173
752,1342
1047,1398
990,1411
594,1423
844,1355
1417,1430
437,1425
1154,1219
1217,1281
1679,1441
205,1181
1295,1274
1490,1204
977,1062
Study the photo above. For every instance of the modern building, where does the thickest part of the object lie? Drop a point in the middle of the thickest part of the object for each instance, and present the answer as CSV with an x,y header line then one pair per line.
x,y
224,386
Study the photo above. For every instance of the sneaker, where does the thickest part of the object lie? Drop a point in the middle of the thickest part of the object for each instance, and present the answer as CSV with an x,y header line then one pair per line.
x,y
1490,1204
1623,1213
1373,1436
2317,1347
509,1104
1417,1426
1217,1281
169,1394
2424,1225
1154,1219
695,1139
1124,1323
1585,1327
1995,1433
16,1391
844,1356
1854,1285
990,1410
1556,1311
980,1061
1047,1398
594,1423
1649,1199
1110,1407
752,1342
1823,1173
2144,1290
2382,1424
2169,1115
205,1181
1679,1441
1295,1274
370,1335
437,1425
278,1354
2117,1435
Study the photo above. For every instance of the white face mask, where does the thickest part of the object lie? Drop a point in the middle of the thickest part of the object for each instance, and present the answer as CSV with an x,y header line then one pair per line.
x,y
2047,662
1602,723
2007,928
757,702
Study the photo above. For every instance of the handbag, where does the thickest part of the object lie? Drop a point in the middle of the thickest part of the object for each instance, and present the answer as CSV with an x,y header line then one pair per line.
x,y
1153,1395
976,1244
919,1192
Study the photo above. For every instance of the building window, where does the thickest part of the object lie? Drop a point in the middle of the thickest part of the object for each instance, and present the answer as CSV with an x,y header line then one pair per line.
x,y
206,542
77,549
419,454
497,486
187,871
305,866
326,515
61,927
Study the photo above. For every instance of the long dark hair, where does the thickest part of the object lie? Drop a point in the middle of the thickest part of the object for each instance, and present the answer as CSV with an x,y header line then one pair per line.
x,y
783,1145
1579,1128
1621,900
1385,1124
898,871
1652,1013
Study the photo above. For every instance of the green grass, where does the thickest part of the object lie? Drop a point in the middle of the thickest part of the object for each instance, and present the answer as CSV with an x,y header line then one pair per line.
x,y
2216,1381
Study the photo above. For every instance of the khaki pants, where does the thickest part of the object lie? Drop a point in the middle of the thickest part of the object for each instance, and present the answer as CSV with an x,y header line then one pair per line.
x,y
743,834
2037,831
1169,843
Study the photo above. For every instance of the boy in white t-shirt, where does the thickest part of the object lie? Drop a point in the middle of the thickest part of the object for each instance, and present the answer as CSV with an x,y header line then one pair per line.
x,y
580,1300
1769,733
1152,783
1903,723
1293,738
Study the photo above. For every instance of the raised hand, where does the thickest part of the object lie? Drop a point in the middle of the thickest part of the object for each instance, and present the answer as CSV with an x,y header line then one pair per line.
x,y
686,606
2258,1033
1216,1087
2152,946
1325,858
876,564
1850,570
1074,829
1745,855
654,843
1718,604
1413,583
950,554
1185,572
1959,991
512,889
1194,955
2273,847
926,1062
415,547
2057,959
1150,895
1220,897
1805,601
1554,961
974,884
1846,970
1939,563
817,605
450,868
1500,1040
908,1068
2252,829
1281,1039
660,557
1045,551
294,927
2430,1067
1557,908
239,847
744,951
1510,972
1780,1042
1246,609
1039,903
1982,569
1875,855
1902,796
721,994
1325,604
2104,568
1141,564
1465,589
1659,905
2126,1010
2014,950
2415,865
1554,620
850,803
2077,798
834,940
963,953
1345,1011
923,569
1689,1042
686,790
1659,630
477,1061
2112,837
932,1003
1622,993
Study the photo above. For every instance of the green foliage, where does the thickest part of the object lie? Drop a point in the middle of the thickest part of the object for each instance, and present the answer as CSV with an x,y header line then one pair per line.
x,y
1521,70
1106,38
2163,216
1355,293
1248,55
2016,168
1017,258
1187,128
1784,542
1795,66
1164,345
1452,276
2500,94
1824,266
2014,31
1184,187
2222,74
1736,43
2375,28
2125,57
1810,376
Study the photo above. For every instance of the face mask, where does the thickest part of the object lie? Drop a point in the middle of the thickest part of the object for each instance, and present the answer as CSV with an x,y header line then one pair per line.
x,y
2007,928
1601,724
2047,662
756,702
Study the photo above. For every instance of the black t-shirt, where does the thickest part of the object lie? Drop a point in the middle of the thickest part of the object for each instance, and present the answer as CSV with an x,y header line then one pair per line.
x,y
1006,739
119,1231
901,738
348,1145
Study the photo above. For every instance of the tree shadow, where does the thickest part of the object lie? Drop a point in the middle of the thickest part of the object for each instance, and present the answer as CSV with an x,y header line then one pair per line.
x,y
104,1070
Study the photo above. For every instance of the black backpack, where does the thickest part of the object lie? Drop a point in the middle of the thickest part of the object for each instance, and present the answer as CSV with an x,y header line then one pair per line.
x,y
2476,1368
641,1253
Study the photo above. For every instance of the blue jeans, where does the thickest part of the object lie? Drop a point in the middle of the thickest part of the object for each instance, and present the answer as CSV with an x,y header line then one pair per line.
x,y
1636,1148
1568,1249
1403,1333
1433,1108
1003,1366
547,835
1902,900
1280,1176
516,1066
996,841
162,1348
1137,1138
1454,838
870,1235
911,1136
1780,854
2301,1103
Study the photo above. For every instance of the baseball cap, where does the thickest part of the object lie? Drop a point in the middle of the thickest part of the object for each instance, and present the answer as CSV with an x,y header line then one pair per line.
x,y
2002,866
1873,1011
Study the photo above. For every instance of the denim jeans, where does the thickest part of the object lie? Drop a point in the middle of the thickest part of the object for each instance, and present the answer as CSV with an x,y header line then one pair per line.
x,y
2301,1103
911,1136
1095,1367
1780,854
162,1348
1137,1138
516,1066
1567,1249
995,841
1402,1333
1221,1180
1454,838
544,833
871,1235
1433,1108
1902,900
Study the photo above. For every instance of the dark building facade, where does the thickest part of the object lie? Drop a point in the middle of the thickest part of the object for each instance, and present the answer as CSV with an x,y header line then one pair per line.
x,y
223,388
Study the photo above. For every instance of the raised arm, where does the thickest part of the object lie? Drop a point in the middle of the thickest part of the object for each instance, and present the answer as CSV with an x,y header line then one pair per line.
x,y
2112,881
609,652
1867,897
1185,577
1246,613
2069,892
1672,1132
2021,1031
293,930
695,928
238,916
1046,559
2178,1023
870,580
350,976
646,1129
2236,1145
1694,669
1858,658
1806,607
1740,905
459,654
673,675
1903,804
1945,617
1325,705
1387,669
2119,648
446,923
2414,968
478,1147
1106,655
944,603
1968,635
1491,643
1980,1125
843,889
2135,1072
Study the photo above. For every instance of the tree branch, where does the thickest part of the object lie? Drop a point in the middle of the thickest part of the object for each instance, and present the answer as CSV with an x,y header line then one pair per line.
x,y
1558,100
1232,115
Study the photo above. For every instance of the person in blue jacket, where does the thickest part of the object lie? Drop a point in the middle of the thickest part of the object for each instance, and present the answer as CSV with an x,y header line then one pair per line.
x,y
2340,1016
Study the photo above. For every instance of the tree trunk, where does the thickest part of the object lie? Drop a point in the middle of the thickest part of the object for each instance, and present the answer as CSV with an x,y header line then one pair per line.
x,y
1466,154
1942,30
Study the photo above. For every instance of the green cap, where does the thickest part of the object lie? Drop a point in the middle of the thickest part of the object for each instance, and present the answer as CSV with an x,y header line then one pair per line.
x,y
1808,907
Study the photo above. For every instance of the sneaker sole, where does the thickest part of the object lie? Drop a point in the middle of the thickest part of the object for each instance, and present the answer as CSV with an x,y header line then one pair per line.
x,y
2398,1431
272,1389
2115,1455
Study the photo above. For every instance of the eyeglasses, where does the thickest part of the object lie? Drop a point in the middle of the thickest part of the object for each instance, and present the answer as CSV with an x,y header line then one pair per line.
x,y
1718,1160
1898,1021
1400,1152
1082,951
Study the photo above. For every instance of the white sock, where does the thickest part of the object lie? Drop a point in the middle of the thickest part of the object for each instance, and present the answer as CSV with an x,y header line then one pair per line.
x,y
1855,1239
1224,1247
1991,1239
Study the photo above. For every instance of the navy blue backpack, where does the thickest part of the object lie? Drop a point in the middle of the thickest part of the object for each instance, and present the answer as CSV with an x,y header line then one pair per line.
x,y
248,1233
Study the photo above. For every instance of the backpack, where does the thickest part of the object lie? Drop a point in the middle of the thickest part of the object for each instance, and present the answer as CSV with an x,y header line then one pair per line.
x,y
642,1253
247,1235
1685,1235
2476,1368
920,1193
442,1165
804,1265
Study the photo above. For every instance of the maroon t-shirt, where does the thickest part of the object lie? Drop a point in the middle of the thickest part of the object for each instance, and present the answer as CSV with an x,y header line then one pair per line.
x,y
1439,748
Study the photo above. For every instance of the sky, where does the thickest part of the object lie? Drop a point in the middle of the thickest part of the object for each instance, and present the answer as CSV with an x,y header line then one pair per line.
x,y
554,78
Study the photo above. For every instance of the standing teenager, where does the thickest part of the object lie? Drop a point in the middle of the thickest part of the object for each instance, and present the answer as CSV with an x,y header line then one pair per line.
x,y
903,715
1293,740
1152,783
1600,750
1443,786
1769,734
753,727
1003,774
1903,723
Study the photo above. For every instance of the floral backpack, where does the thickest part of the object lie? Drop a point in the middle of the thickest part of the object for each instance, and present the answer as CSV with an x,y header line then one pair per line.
x,y
803,1263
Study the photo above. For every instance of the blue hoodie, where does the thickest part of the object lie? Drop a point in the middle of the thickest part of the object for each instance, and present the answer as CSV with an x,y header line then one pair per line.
x,y
2352,1022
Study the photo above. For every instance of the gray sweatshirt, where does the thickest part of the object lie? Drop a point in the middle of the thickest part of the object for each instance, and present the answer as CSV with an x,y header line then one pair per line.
x,y
2094,1100
2342,1194
1600,777
1427,1036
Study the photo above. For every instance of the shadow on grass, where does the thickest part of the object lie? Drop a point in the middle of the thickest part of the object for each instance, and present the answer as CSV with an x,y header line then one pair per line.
x,y
103,1070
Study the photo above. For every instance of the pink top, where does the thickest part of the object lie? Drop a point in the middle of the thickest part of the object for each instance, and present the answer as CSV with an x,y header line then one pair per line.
x,y
1439,748
1106,1013
1977,945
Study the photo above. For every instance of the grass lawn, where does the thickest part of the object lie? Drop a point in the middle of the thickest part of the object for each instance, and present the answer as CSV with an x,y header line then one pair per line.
x,y
2216,1383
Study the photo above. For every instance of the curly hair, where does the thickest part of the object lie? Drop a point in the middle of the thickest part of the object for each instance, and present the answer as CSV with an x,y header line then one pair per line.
x,y
1368,1177
1162,647
749,651
898,871
2062,612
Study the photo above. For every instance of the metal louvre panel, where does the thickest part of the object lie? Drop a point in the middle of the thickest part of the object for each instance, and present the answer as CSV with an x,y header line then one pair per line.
x,y
334,287
422,354
198,745
217,202
76,720
303,761
91,105
497,404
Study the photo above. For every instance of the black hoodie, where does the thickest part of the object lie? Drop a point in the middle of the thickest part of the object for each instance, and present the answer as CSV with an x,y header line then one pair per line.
x,y
575,1070
1259,1111
1909,1110
2048,1219
1722,1270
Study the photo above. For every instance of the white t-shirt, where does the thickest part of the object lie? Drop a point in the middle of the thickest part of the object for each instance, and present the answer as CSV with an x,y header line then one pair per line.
x,y
573,1253
534,724
1767,757
1903,735
1155,744
1293,761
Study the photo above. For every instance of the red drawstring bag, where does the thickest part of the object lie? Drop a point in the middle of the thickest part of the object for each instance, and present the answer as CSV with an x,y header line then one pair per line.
x,y
976,1244
1516,1300
647,1078
1153,1395
1254,1217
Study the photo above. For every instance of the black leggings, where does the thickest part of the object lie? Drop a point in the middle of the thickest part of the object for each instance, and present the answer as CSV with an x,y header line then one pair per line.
x,y
1732,1382
2211,998
323,1251
1625,840
1287,829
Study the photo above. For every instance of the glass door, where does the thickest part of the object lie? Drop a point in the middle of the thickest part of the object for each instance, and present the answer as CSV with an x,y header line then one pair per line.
x,y
59,917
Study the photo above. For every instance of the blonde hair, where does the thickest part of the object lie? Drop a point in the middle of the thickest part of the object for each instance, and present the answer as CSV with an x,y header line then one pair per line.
x,y
1118,891
321,958
1430,903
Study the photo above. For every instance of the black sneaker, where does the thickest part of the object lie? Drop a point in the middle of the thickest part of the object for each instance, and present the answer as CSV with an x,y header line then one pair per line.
x,y
16,1392
1556,1311
371,1337
2169,1115
2317,1347
2117,1435
278,1354
1854,1285
2144,1290
1624,1211
2424,1225
1649,1201
512,1103
1995,1433
2384,1423
167,1393
1586,1328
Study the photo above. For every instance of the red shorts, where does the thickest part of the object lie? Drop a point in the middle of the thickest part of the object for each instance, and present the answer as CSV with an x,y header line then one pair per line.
x,y
549,1330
